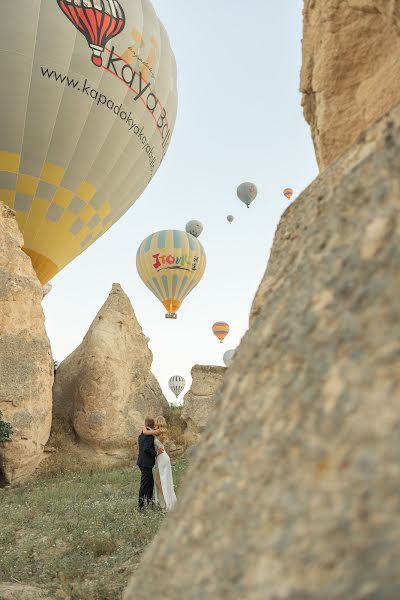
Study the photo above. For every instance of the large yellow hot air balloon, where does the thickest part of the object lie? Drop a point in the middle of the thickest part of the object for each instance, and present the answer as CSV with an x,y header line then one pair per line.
x,y
88,106
171,263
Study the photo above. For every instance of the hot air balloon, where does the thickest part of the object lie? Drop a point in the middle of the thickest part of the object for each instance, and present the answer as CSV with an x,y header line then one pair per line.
x,y
171,263
228,357
177,384
46,289
83,129
247,192
220,330
288,192
230,218
194,228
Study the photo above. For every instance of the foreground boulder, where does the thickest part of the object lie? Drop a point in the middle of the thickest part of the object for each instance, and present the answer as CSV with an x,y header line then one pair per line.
x,y
104,389
294,494
26,365
199,402
351,69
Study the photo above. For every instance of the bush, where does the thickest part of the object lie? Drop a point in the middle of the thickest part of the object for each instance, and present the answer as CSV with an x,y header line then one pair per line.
x,y
6,430
176,425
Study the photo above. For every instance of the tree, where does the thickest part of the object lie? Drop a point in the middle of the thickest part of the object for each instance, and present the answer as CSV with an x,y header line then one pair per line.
x,y
6,430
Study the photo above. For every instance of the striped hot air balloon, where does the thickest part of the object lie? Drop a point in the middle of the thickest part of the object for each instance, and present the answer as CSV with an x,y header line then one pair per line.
x,y
171,263
220,330
177,384
83,130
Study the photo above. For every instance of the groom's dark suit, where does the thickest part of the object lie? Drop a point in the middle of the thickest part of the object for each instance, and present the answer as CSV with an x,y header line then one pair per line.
x,y
146,461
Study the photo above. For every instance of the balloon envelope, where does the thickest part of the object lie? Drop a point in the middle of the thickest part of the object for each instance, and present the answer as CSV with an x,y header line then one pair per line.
x,y
230,218
228,357
171,263
46,289
86,118
220,330
247,192
288,192
194,228
177,384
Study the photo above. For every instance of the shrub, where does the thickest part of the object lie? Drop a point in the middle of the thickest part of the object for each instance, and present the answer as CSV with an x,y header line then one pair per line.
x,y
6,430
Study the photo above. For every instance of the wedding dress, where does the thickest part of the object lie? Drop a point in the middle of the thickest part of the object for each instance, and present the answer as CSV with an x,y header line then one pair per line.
x,y
163,463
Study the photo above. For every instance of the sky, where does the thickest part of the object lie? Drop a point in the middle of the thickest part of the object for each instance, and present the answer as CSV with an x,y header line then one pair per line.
x,y
239,119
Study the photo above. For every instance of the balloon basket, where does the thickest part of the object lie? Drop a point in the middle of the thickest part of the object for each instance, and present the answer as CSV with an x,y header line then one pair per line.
x,y
171,316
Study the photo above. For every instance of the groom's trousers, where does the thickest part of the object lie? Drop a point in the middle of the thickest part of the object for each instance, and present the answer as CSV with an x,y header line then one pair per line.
x,y
146,486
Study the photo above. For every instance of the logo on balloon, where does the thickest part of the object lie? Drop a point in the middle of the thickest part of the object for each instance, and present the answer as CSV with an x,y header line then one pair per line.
x,y
98,20
164,261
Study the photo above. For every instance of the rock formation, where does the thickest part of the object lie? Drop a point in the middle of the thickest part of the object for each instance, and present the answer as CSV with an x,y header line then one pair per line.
x,y
26,365
199,402
351,69
104,389
294,494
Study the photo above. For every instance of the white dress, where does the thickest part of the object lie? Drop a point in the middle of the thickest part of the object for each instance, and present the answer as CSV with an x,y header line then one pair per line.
x,y
163,463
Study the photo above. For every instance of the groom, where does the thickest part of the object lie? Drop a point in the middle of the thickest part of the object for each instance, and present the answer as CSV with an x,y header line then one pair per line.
x,y
146,461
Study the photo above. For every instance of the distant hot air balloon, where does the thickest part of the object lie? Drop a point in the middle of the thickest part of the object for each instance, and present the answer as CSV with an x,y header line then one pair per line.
x,y
171,263
228,357
46,289
98,20
288,192
220,330
194,228
230,218
80,138
247,192
177,385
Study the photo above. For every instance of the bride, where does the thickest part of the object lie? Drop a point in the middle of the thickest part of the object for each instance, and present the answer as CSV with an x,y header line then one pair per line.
x,y
164,489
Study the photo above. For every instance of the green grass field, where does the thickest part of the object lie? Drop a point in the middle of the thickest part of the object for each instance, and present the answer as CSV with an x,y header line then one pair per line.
x,y
79,535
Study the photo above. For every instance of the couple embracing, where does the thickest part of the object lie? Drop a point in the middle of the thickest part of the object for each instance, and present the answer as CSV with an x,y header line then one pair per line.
x,y
152,452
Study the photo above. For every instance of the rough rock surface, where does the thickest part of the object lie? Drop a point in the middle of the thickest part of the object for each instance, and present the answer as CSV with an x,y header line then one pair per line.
x,y
295,493
200,401
104,389
351,69
17,591
26,365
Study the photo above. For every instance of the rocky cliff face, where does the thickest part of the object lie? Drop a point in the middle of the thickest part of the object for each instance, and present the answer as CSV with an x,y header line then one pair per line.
x,y
104,389
26,365
351,69
200,401
295,492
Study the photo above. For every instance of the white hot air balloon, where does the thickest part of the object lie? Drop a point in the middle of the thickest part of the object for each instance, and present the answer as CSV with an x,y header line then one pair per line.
x,y
88,107
230,218
177,384
228,357
247,193
46,289
195,228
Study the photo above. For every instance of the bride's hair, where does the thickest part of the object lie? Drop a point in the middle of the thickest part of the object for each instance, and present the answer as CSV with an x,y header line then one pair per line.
x,y
161,424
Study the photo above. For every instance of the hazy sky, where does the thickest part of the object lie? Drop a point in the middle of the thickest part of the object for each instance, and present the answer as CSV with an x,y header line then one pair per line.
x,y
239,119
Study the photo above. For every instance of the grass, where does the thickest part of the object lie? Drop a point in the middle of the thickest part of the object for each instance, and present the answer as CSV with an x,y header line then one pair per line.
x,y
78,535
